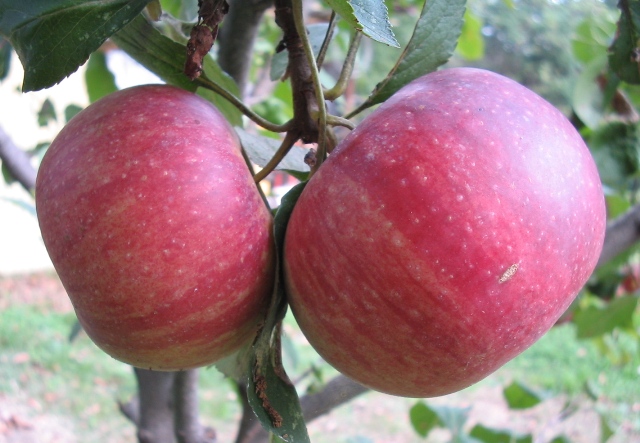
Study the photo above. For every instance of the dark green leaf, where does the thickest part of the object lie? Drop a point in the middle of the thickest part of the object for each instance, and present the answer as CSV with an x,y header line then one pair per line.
x,y
271,394
615,149
165,58
432,43
622,53
471,42
46,113
100,81
423,418
260,149
6,174
593,321
70,112
76,329
519,396
368,16
54,37
5,57
560,439
489,435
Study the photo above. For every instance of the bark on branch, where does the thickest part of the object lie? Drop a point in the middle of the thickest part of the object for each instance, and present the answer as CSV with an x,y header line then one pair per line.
x,y
236,38
621,234
17,162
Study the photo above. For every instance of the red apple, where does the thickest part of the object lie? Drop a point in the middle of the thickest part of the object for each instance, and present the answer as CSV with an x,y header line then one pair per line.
x,y
444,235
156,228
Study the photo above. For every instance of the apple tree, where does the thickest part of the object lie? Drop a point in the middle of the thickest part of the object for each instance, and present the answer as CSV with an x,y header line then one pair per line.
x,y
445,219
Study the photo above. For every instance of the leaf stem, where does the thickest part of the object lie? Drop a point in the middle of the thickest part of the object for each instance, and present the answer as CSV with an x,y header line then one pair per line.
x,y
285,147
334,120
327,39
207,83
347,68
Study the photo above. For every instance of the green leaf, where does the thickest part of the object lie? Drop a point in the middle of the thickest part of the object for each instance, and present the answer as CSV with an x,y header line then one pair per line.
x,y
234,366
615,149
622,51
454,419
54,37
70,112
605,429
432,43
519,396
592,37
271,394
5,58
371,17
588,99
47,113
260,149
593,321
99,80
489,435
471,42
423,418
560,439
6,174
165,58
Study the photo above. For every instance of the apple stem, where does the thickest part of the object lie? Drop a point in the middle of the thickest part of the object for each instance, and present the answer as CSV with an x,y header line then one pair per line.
x,y
207,83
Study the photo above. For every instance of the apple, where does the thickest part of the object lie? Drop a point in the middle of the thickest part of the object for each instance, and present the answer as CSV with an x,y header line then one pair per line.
x,y
444,235
156,228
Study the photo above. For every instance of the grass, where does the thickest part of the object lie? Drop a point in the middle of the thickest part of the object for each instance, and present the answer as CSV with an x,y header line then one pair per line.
x,y
80,385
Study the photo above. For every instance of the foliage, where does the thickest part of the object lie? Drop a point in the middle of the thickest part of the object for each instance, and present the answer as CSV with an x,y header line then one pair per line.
x,y
591,76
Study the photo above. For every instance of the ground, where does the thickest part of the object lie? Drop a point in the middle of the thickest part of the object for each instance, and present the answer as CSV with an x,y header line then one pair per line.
x,y
55,391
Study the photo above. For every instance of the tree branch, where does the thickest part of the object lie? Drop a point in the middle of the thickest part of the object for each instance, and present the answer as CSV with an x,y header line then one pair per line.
x,y
249,424
17,162
236,37
621,234
185,396
156,410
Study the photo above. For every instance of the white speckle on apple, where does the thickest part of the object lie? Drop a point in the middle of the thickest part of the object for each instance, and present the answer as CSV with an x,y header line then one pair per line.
x,y
509,273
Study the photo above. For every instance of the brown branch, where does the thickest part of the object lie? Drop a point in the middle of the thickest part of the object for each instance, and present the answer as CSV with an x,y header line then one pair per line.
x,y
155,423
17,162
185,396
236,38
249,425
622,233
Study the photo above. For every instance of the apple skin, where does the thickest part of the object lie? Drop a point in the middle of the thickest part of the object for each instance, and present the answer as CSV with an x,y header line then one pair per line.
x,y
156,228
444,235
